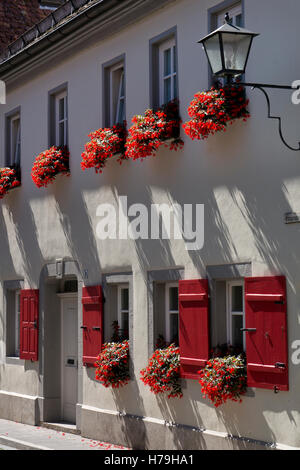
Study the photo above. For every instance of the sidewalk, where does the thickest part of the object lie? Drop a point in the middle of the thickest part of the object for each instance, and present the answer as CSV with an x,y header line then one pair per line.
x,y
24,437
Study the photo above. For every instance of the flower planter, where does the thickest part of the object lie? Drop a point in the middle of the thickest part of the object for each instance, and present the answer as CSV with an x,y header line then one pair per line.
x,y
211,111
10,179
152,130
162,373
112,365
224,379
104,144
49,164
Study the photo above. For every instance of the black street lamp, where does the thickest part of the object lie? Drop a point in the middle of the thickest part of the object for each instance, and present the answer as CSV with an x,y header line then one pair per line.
x,y
227,50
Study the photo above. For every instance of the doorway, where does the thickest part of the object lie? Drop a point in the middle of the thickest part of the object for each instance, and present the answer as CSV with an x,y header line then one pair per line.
x,y
69,357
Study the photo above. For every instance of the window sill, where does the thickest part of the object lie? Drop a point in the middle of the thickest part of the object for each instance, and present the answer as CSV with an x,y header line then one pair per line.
x,y
13,360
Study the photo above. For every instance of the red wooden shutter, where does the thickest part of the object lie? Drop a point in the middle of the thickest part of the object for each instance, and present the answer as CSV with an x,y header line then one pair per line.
x,y
92,323
29,324
266,344
193,326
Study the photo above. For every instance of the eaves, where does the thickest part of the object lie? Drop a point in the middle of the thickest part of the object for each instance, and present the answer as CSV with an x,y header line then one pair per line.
x,y
101,20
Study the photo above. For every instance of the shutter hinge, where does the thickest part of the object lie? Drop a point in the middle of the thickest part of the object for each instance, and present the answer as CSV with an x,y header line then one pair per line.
x,y
276,389
279,302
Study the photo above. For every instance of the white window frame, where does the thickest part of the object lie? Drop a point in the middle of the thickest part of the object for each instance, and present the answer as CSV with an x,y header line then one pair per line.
x,y
231,313
168,310
17,322
114,110
15,141
63,95
121,311
169,44
233,12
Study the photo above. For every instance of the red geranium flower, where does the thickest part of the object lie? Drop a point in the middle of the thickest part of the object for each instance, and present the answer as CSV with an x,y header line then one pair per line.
x,y
8,180
212,110
48,164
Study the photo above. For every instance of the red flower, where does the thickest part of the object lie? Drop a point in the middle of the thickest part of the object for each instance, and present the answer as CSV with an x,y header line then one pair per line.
x,y
8,180
112,369
48,164
162,373
152,130
212,110
104,144
224,379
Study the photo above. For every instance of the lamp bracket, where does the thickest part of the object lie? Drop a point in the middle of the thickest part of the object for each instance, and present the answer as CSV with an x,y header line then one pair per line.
x,y
261,87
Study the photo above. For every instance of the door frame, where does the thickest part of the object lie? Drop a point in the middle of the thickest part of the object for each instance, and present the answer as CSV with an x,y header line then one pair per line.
x,y
63,297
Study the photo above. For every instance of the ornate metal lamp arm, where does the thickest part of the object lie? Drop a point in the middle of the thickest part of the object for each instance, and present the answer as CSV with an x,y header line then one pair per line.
x,y
261,87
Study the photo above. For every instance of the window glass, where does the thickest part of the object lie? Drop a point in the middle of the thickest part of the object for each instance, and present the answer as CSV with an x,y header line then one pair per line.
x,y
172,314
15,140
117,95
168,71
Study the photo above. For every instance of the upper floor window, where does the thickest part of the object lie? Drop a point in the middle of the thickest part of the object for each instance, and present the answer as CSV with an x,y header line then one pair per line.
x,y
117,95
13,139
61,119
114,92
58,116
163,68
168,71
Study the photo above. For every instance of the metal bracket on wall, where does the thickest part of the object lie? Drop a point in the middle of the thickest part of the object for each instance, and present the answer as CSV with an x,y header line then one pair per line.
x,y
261,87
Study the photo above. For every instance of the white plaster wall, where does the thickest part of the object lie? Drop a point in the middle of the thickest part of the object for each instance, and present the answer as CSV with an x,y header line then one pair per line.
x,y
245,177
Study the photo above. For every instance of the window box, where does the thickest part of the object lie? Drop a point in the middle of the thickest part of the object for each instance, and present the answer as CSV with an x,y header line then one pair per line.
x,y
49,164
104,144
9,180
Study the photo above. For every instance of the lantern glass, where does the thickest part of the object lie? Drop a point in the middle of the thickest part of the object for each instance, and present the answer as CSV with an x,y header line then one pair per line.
x,y
213,51
236,49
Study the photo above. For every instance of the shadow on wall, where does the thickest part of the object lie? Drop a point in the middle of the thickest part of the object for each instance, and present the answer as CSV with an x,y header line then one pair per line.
x,y
128,401
78,229
172,411
26,236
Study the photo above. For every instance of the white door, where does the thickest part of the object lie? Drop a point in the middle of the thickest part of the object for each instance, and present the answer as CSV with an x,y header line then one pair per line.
x,y
69,358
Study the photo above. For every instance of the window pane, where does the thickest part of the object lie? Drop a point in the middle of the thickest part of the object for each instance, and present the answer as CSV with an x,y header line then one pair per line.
x,y
237,334
167,90
174,59
61,137
121,116
173,299
238,20
61,112
167,62
237,298
125,325
174,328
175,86
125,299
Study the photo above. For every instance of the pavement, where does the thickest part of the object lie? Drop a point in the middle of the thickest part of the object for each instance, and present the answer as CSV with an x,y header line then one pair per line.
x,y
18,436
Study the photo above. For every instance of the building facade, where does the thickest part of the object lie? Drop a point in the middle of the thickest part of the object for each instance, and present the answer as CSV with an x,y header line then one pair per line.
x,y
94,64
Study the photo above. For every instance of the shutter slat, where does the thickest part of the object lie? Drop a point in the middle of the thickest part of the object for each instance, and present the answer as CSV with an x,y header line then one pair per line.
x,y
193,326
29,321
264,297
266,311
92,316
